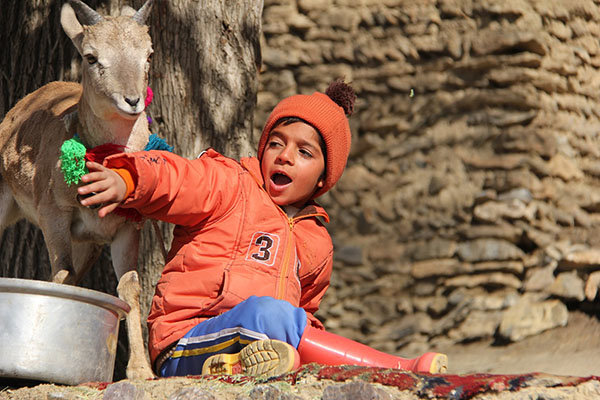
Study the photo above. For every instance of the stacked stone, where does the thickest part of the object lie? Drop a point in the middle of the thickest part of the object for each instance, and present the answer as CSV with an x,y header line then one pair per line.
x,y
470,205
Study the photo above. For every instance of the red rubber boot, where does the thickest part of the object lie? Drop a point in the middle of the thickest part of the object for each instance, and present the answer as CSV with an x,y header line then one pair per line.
x,y
327,348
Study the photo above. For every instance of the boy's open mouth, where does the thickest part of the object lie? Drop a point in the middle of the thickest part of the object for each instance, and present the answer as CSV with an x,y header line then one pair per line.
x,y
280,179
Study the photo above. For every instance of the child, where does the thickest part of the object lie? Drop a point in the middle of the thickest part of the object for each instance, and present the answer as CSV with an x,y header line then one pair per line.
x,y
250,259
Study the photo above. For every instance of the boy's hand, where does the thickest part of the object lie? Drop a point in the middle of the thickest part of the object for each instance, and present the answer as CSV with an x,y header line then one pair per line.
x,y
106,187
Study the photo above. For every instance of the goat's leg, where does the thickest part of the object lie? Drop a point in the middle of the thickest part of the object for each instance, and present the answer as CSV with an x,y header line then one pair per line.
x,y
124,252
9,209
55,226
84,256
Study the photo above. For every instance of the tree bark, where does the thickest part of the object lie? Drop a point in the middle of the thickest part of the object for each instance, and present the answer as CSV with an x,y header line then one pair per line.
x,y
204,78
33,51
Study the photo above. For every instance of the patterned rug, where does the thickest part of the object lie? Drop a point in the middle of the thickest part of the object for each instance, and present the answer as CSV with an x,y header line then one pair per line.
x,y
430,386
446,386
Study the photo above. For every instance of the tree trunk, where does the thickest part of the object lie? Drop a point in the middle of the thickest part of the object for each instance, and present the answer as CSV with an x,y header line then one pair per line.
x,y
204,77
34,50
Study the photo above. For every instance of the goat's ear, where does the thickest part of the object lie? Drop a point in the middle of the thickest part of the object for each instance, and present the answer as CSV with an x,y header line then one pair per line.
x,y
127,11
71,25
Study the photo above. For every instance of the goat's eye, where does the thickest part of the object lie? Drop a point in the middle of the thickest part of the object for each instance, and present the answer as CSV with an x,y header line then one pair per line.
x,y
91,59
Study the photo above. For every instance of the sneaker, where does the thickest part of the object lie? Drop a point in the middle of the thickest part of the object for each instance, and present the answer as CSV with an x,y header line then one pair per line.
x,y
263,358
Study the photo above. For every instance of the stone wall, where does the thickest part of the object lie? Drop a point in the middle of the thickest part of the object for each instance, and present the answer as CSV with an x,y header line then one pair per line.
x,y
470,207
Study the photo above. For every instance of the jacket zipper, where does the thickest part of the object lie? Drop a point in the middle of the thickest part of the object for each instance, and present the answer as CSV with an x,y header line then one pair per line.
x,y
286,259
286,256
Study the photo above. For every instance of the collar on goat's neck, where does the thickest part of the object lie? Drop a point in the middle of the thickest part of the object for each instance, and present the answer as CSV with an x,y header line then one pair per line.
x,y
95,131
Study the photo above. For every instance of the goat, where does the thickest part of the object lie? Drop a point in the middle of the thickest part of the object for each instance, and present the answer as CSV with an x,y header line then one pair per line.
x,y
107,107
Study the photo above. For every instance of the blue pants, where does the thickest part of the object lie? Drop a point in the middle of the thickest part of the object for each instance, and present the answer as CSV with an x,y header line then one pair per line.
x,y
256,318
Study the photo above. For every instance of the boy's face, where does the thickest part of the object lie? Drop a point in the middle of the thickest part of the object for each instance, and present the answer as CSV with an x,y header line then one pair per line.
x,y
292,164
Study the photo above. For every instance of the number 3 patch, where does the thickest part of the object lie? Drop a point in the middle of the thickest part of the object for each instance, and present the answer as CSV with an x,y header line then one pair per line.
x,y
263,248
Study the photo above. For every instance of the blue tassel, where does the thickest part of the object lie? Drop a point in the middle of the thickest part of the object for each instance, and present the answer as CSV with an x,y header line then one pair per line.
x,y
157,143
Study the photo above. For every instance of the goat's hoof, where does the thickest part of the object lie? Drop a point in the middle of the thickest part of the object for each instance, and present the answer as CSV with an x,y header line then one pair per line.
x,y
61,276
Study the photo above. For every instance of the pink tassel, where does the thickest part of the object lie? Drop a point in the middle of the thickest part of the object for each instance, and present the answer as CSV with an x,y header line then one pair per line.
x,y
149,96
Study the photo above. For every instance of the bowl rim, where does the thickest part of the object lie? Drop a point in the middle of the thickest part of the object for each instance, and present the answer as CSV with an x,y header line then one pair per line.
x,y
44,288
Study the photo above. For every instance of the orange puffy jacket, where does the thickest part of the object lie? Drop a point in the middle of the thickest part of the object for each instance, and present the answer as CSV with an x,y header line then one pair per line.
x,y
230,240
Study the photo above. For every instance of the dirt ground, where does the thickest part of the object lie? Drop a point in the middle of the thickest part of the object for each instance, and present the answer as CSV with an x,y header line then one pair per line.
x,y
573,350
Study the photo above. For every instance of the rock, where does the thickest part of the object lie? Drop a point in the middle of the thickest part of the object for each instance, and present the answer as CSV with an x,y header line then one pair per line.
x,y
314,5
283,82
356,178
504,41
351,255
493,279
521,194
520,177
344,19
280,59
477,325
488,250
451,319
267,392
494,301
591,285
483,196
436,184
127,391
424,288
427,44
434,267
435,248
452,266
502,118
355,390
581,259
502,161
499,230
540,238
568,286
515,267
528,318
560,30
299,22
430,304
493,212
540,279
534,259
419,322
345,199
564,168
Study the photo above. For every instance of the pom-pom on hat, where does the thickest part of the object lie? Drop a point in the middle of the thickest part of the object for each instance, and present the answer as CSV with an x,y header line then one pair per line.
x,y
327,113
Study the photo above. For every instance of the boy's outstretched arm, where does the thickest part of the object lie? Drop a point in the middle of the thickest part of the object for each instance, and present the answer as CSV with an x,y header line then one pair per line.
x,y
106,186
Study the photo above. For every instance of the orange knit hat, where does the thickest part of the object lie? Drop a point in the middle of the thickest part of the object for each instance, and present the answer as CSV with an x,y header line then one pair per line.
x,y
326,112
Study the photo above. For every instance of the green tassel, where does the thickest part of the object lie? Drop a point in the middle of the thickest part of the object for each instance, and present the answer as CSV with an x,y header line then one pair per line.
x,y
72,160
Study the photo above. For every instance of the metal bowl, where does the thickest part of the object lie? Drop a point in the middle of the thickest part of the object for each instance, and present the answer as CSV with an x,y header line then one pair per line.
x,y
57,333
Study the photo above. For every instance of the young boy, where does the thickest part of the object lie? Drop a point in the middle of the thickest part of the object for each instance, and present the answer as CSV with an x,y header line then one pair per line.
x,y
250,259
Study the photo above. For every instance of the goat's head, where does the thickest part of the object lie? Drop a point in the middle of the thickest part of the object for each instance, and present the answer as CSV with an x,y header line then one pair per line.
x,y
116,53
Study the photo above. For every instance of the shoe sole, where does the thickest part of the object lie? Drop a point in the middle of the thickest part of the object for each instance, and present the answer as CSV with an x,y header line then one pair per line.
x,y
265,358
439,364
